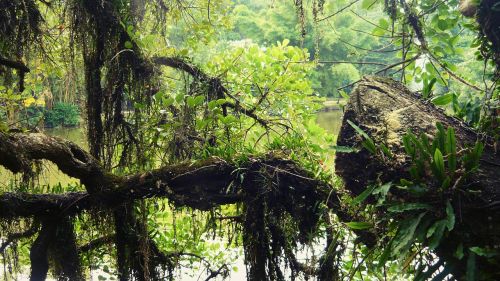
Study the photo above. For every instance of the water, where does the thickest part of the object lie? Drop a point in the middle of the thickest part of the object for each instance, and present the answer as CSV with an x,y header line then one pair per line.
x,y
76,135
330,120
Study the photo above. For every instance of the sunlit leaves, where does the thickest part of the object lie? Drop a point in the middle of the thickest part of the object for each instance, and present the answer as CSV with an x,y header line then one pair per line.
x,y
443,100
359,225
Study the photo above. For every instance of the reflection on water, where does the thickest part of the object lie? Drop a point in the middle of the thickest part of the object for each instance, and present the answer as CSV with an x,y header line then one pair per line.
x,y
330,120
76,135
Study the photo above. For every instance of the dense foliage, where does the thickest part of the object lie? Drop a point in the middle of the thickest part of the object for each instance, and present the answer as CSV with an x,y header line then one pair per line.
x,y
169,89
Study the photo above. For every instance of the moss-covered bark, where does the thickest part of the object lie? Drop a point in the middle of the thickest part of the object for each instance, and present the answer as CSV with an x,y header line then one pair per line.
x,y
386,110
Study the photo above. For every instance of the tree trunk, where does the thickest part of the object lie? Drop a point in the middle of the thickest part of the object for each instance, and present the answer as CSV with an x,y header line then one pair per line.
x,y
386,110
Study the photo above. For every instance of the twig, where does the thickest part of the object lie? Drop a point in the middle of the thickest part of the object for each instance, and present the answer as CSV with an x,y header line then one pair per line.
x,y
384,69
14,64
16,236
339,11
452,74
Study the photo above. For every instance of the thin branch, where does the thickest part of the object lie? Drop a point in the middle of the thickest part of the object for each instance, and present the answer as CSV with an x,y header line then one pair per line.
x,y
354,62
14,64
96,243
215,84
384,69
16,236
454,75
415,23
340,10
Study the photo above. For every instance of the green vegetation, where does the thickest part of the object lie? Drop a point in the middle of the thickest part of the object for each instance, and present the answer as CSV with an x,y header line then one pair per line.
x,y
205,157
62,114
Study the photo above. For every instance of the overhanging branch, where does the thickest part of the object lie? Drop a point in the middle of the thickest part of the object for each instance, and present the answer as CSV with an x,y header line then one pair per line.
x,y
14,64
216,88
18,151
200,185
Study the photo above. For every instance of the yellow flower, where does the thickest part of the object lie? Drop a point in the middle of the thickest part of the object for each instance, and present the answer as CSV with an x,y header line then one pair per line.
x,y
32,101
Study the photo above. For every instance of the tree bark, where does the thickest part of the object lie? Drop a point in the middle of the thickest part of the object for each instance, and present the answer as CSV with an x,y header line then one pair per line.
x,y
200,185
386,110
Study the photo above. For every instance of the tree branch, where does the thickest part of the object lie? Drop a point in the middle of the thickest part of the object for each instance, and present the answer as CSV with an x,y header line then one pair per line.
x,y
216,86
200,185
18,151
16,236
96,243
14,64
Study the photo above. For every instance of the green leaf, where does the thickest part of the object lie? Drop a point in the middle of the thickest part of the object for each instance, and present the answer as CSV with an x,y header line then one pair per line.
x,y
128,45
199,100
483,252
426,91
159,95
191,102
368,142
168,101
451,150
409,148
435,233
179,98
470,274
368,4
400,208
386,254
405,182
385,150
382,191
358,129
446,183
451,145
344,94
443,100
441,137
212,105
361,197
383,23
439,164
221,101
228,119
359,225
405,235
369,145
3,126
344,149
459,252
450,216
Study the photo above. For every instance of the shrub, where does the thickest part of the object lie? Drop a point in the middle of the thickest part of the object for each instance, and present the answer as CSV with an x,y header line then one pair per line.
x,y
63,114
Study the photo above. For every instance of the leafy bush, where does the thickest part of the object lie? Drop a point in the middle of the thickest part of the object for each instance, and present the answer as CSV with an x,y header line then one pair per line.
x,y
32,115
63,114
438,172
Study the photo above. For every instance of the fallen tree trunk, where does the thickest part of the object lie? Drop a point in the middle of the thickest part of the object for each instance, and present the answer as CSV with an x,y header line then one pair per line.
x,y
386,110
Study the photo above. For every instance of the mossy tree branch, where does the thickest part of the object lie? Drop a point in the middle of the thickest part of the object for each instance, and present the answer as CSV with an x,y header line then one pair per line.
x,y
200,185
